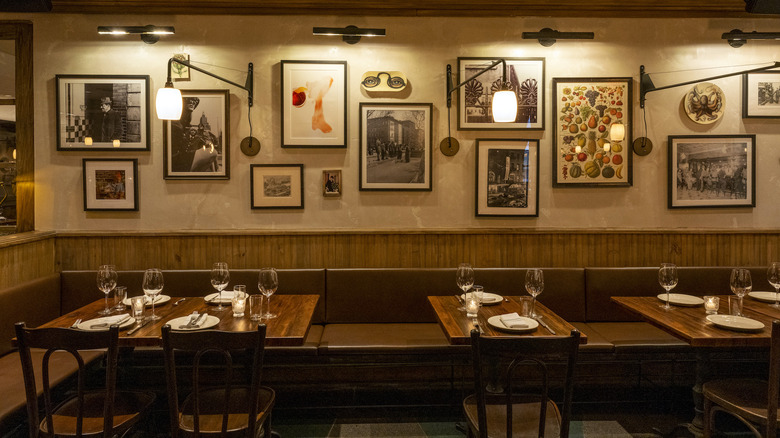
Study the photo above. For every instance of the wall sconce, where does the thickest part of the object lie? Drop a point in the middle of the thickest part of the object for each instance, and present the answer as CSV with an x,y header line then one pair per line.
x,y
547,36
737,38
150,33
350,34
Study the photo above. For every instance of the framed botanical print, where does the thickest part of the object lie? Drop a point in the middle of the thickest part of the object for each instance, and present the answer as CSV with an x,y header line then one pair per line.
x,y
102,112
110,184
197,146
525,75
507,175
712,171
331,183
276,185
584,112
395,146
314,104
761,95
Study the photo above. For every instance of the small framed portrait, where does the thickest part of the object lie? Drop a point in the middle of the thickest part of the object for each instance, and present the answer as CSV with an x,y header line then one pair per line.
x,y
395,146
712,171
110,184
331,183
761,95
276,185
197,146
507,177
102,112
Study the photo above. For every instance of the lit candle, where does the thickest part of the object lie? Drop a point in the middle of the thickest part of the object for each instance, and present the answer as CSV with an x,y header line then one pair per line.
x,y
472,307
711,304
239,304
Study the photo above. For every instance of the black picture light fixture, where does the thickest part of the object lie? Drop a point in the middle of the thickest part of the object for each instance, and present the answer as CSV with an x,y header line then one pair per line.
x,y
737,38
150,33
547,37
350,34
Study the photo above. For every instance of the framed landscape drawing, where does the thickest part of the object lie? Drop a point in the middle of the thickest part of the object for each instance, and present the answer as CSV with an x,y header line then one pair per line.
x,y
110,184
475,98
584,111
712,171
507,177
314,104
395,146
276,185
197,146
102,112
761,95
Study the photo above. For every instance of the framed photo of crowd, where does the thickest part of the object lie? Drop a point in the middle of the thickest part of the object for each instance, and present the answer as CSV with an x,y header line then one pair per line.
x,y
507,175
110,185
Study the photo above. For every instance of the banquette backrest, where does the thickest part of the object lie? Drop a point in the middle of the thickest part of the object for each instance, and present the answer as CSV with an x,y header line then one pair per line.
x,y
34,302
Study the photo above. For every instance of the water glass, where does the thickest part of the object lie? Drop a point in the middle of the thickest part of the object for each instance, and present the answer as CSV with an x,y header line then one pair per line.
x,y
255,307
238,303
711,305
137,305
526,306
478,292
735,306
120,294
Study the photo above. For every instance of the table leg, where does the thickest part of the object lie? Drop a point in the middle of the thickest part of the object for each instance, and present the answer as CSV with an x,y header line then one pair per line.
x,y
696,426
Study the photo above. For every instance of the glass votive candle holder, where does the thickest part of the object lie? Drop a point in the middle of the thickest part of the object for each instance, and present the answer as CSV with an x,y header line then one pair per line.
x,y
472,306
238,303
477,292
711,305
137,305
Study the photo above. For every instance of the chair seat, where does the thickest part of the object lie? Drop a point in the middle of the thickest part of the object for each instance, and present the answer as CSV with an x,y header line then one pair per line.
x,y
212,405
128,406
525,421
747,397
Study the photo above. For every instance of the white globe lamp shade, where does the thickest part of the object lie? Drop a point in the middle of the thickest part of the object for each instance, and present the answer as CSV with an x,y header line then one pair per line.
x,y
617,132
169,103
504,106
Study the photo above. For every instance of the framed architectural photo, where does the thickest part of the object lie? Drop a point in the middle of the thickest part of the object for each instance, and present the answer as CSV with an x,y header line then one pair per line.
x,y
584,111
110,184
197,146
507,177
331,183
102,112
276,185
526,75
395,146
761,95
712,171
314,104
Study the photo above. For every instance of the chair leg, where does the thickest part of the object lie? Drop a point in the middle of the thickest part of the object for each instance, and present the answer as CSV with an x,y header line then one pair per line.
x,y
709,419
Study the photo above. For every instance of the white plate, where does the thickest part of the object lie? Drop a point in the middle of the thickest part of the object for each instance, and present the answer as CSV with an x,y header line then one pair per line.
x,y
682,300
739,323
227,298
161,299
488,298
209,322
86,325
767,297
495,321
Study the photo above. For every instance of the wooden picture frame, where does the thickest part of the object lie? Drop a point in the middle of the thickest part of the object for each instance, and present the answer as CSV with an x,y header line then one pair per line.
x,y
507,177
110,185
761,95
276,185
331,183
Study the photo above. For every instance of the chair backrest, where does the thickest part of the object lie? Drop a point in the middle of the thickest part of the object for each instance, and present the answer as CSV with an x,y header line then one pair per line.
x,y
225,344
71,341
774,380
517,360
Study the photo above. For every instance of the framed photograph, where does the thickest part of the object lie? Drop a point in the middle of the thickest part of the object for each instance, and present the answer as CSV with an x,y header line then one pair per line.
x,y
507,177
475,99
395,146
761,95
314,104
102,112
197,146
110,184
331,183
276,185
584,111
712,171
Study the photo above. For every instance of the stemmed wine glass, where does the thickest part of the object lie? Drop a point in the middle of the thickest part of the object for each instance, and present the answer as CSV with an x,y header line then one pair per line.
x,y
773,276
152,286
267,282
534,284
106,282
741,284
667,278
464,278
220,277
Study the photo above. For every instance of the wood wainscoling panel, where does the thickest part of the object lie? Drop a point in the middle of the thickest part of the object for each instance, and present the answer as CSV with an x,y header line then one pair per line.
x,y
25,257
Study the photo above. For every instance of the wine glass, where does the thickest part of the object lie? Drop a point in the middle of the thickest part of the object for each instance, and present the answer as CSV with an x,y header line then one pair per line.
x,y
464,278
667,278
106,282
152,286
773,276
741,284
267,282
220,277
534,284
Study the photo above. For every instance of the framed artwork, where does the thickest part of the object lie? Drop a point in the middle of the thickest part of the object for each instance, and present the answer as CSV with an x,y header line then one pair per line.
x,y
197,146
526,75
395,146
331,183
314,104
102,112
584,111
712,171
761,95
181,73
276,185
507,177
110,184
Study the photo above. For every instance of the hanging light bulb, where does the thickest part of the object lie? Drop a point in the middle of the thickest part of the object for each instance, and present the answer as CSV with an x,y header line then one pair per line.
x,y
169,103
504,106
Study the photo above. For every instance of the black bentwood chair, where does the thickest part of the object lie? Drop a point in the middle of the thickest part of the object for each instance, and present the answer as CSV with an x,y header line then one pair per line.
x,y
221,408
520,361
104,413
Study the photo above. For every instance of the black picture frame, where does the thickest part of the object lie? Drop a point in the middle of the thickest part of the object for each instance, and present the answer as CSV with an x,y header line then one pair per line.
x,y
276,186
506,178
761,95
110,184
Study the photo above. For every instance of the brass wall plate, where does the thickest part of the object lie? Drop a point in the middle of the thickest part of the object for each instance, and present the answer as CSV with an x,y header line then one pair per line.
x,y
250,146
449,146
642,146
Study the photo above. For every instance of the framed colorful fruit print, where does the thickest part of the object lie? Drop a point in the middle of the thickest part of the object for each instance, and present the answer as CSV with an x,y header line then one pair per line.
x,y
585,110
507,177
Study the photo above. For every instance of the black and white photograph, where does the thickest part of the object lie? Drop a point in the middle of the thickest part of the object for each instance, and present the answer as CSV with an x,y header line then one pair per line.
x,y
102,112
110,184
331,183
761,95
276,185
395,146
526,77
197,146
507,177
712,171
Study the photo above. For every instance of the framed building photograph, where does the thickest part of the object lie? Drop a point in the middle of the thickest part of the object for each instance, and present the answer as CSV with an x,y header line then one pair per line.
x,y
276,185
110,184
761,95
197,146
475,98
314,104
102,112
395,146
507,177
331,183
583,114
712,171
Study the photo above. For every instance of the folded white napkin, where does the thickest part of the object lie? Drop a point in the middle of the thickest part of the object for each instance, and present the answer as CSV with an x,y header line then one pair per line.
x,y
201,319
226,295
113,319
148,299
512,320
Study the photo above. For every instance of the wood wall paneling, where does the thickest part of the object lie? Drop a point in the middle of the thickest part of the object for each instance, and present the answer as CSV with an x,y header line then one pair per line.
x,y
25,257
